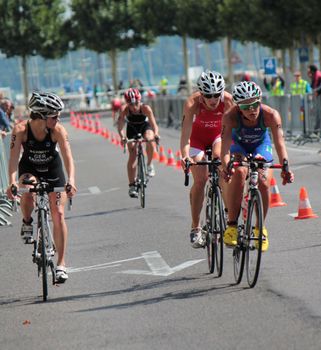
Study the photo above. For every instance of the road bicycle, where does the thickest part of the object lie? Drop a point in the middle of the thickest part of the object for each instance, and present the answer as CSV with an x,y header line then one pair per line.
x,y
43,245
214,223
142,177
248,251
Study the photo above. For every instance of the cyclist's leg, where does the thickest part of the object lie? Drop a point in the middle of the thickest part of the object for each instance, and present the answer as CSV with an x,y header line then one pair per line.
x,y
265,177
60,232
197,190
132,162
265,150
216,152
27,199
27,204
150,146
234,189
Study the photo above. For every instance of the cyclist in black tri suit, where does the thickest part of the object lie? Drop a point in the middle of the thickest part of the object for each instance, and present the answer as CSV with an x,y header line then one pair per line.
x,y
140,120
38,138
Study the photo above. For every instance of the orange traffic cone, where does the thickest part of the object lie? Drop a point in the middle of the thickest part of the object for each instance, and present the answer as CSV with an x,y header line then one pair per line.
x,y
170,159
155,155
275,197
162,157
178,160
305,211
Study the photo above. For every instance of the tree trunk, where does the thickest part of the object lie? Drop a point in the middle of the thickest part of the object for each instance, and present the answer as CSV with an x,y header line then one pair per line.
x,y
230,76
113,58
292,57
186,64
25,87
319,47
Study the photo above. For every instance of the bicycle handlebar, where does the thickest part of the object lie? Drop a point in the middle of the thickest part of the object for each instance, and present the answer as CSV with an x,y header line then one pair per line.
x,y
39,187
216,162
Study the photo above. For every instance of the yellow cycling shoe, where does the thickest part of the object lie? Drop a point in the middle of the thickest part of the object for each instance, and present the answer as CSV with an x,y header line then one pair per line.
x,y
230,236
265,241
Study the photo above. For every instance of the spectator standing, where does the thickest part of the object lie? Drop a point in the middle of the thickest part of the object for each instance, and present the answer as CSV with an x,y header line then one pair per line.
x,y
182,86
163,86
4,118
315,76
275,86
299,86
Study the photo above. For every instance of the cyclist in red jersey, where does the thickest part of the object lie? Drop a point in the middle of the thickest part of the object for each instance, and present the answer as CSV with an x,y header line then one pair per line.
x,y
116,105
140,120
201,128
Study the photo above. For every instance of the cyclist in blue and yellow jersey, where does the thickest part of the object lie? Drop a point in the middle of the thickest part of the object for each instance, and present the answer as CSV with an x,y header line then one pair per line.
x,y
245,130
38,138
140,120
299,86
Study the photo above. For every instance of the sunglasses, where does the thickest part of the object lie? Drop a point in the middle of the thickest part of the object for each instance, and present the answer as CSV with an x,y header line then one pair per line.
x,y
247,106
208,96
53,117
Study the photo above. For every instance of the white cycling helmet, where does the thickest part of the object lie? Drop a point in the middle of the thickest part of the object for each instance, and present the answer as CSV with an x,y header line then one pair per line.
x,y
246,90
210,82
45,103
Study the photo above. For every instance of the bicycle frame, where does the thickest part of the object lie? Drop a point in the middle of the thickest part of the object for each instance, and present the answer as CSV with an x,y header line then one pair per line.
x,y
214,224
249,243
44,248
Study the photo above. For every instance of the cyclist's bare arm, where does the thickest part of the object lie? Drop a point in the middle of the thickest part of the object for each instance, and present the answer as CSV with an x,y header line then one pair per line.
x,y
121,122
272,119
151,118
228,101
61,135
17,138
191,108
228,123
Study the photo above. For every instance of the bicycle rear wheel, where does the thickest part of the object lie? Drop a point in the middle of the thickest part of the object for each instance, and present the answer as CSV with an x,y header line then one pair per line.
x,y
207,227
239,257
42,235
141,179
218,228
254,242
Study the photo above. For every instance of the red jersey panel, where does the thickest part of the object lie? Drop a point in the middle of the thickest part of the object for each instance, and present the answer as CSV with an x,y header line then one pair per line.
x,y
207,126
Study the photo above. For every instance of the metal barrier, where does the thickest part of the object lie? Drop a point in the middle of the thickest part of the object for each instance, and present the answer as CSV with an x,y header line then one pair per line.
x,y
300,114
5,204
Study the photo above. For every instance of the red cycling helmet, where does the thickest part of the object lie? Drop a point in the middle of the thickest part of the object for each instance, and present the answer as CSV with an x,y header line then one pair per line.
x,y
132,96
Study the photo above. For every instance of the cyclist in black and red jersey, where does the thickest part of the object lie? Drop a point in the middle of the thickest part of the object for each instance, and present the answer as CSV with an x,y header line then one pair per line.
x,y
140,120
38,138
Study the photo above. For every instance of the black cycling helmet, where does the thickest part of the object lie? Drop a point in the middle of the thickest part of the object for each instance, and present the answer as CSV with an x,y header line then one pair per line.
x,y
45,104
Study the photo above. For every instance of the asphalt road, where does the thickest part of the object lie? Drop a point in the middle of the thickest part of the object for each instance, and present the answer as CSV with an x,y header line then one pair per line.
x,y
135,282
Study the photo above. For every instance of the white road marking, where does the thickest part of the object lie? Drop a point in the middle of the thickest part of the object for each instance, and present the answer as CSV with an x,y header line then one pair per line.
x,y
155,262
159,267
293,214
94,190
310,151
101,266
300,167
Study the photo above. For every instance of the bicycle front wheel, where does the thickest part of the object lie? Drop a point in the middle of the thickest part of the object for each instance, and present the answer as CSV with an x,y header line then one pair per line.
x,y
42,235
253,232
218,227
239,257
141,180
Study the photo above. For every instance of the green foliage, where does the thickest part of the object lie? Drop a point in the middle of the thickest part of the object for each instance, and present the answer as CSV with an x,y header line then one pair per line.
x,y
32,27
105,25
193,18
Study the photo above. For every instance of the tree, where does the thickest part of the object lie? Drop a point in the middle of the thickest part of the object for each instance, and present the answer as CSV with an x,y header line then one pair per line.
x,y
186,18
108,26
32,27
